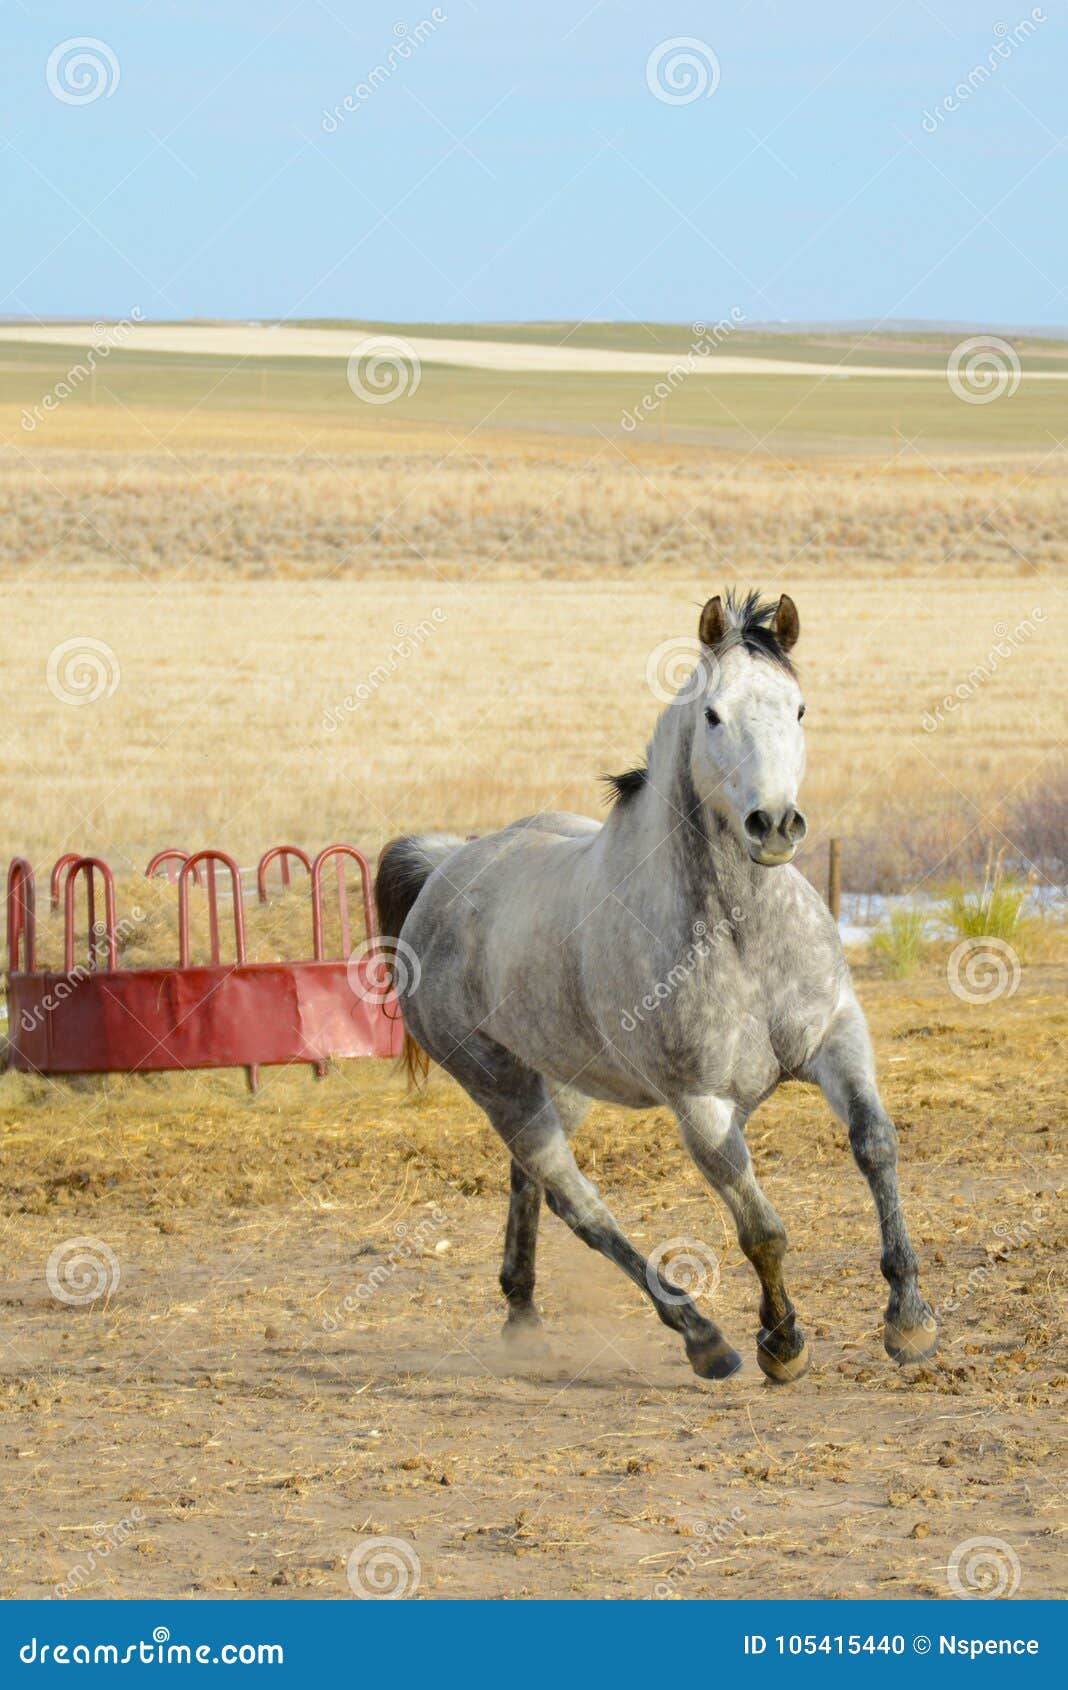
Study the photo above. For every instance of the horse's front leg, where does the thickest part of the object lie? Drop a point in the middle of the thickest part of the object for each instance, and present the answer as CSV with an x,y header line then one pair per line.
x,y
845,1069
712,1131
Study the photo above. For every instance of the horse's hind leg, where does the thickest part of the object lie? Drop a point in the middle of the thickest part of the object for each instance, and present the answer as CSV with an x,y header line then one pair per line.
x,y
845,1070
712,1132
521,1234
520,1107
520,1246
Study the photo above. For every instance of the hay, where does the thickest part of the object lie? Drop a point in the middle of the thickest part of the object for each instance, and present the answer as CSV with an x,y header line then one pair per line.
x,y
146,923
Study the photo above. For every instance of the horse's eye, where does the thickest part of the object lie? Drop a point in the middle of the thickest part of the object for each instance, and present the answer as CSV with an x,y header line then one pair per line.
x,y
711,718
801,711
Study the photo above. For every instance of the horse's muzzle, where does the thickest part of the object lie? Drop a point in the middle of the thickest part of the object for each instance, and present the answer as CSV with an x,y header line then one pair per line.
x,y
772,840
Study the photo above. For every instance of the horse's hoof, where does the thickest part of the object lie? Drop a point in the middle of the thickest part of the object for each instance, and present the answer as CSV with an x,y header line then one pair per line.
x,y
524,1336
784,1371
713,1359
905,1344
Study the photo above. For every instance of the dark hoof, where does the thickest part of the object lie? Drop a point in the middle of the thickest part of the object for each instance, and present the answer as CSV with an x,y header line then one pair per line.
x,y
524,1336
713,1359
783,1370
905,1344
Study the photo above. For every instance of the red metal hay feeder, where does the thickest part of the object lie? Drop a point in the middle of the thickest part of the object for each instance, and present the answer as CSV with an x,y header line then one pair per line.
x,y
97,1017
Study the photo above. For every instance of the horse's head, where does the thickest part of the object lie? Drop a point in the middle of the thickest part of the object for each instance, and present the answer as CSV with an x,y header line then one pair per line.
x,y
748,747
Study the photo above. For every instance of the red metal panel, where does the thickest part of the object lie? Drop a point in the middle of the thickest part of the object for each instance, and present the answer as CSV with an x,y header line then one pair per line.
x,y
21,916
94,1018
188,868
63,862
171,857
283,853
89,867
137,1020
340,853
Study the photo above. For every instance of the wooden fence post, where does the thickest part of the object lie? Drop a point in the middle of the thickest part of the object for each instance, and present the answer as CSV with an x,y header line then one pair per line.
x,y
834,878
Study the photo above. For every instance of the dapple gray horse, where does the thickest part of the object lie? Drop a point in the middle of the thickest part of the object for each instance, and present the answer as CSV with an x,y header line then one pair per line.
x,y
666,957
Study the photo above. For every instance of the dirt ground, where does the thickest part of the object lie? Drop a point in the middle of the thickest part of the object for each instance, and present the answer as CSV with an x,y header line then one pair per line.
x,y
296,1342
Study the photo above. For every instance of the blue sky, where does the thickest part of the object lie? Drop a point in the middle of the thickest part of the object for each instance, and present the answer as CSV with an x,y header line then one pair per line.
x,y
518,165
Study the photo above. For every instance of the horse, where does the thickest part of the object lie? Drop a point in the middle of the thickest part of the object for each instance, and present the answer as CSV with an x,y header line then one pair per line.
x,y
667,956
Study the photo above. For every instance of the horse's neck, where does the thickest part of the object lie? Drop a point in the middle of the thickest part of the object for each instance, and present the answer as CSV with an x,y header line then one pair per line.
x,y
672,838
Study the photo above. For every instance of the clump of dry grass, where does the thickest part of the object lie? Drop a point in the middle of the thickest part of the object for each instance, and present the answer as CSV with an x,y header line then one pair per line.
x,y
504,507
1036,820
902,943
146,923
927,836
909,837
993,910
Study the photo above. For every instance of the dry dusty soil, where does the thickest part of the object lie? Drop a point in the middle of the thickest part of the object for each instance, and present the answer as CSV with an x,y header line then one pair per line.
x,y
301,1350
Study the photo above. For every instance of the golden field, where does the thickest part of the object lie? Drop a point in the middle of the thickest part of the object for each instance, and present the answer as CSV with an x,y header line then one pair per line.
x,y
244,713
487,598
237,626
233,503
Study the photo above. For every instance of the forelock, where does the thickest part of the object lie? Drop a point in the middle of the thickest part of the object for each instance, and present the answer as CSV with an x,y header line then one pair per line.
x,y
750,627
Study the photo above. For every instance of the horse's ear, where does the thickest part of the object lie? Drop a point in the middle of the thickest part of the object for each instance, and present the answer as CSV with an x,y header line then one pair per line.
x,y
787,624
713,623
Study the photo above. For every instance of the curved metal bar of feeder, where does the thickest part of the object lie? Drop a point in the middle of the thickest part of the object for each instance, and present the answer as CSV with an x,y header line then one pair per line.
x,y
340,852
89,866
21,916
284,852
172,854
57,875
188,869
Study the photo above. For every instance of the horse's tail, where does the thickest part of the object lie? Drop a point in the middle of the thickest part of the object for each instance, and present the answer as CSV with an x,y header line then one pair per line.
x,y
404,868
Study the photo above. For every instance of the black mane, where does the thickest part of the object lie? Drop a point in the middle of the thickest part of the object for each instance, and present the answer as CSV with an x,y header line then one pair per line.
x,y
749,624
626,786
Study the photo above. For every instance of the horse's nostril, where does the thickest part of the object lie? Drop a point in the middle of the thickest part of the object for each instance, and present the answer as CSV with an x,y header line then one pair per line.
x,y
794,826
758,825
